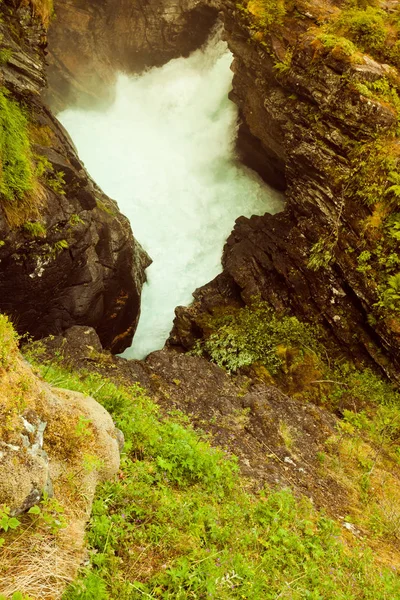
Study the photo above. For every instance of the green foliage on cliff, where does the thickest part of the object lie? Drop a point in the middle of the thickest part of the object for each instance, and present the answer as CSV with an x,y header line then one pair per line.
x,y
178,522
35,229
253,334
263,13
337,44
16,172
372,29
365,27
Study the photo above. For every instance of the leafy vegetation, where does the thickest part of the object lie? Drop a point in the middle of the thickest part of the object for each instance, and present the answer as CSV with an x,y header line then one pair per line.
x,y
179,523
340,46
254,334
45,171
266,12
35,229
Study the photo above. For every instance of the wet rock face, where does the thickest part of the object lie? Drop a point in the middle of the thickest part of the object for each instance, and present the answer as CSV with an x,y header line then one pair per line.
x,y
89,41
78,264
298,128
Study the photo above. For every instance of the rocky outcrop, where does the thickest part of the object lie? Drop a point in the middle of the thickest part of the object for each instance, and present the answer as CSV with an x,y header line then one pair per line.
x,y
90,41
67,255
56,446
305,107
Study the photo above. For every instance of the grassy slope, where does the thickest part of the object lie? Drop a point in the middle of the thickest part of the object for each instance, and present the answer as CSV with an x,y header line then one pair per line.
x,y
180,523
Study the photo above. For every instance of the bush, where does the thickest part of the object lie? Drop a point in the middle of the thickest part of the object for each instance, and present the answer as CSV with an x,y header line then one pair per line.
x,y
254,334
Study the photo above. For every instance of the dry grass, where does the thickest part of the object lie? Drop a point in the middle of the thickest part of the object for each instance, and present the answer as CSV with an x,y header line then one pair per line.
x,y
372,480
38,558
41,135
41,564
27,209
43,9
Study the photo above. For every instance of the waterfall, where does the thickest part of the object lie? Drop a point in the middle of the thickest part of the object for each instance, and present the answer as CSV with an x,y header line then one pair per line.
x,y
165,150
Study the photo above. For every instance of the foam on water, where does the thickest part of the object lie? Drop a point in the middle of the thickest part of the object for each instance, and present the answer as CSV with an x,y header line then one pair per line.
x,y
165,151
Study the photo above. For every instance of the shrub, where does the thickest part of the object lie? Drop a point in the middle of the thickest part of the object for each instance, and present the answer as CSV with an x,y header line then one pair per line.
x,y
253,334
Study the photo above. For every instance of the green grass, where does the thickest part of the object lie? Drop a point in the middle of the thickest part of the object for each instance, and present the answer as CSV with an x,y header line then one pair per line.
x,y
16,171
178,522
298,361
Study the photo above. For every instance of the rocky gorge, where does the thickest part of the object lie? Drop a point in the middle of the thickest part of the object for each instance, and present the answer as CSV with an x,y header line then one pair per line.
x,y
303,127
319,114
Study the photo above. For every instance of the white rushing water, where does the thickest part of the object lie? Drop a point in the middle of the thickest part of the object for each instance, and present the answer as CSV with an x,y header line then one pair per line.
x,y
165,152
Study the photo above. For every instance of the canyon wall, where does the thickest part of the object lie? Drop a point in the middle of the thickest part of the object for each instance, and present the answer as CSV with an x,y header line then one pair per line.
x,y
90,41
311,118
316,114
67,255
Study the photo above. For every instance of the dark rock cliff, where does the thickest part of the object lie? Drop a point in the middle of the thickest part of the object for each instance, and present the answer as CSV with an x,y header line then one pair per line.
x,y
306,118
67,255
90,41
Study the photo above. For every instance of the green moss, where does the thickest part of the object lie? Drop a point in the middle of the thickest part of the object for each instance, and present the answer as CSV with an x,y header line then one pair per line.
x,y
16,172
